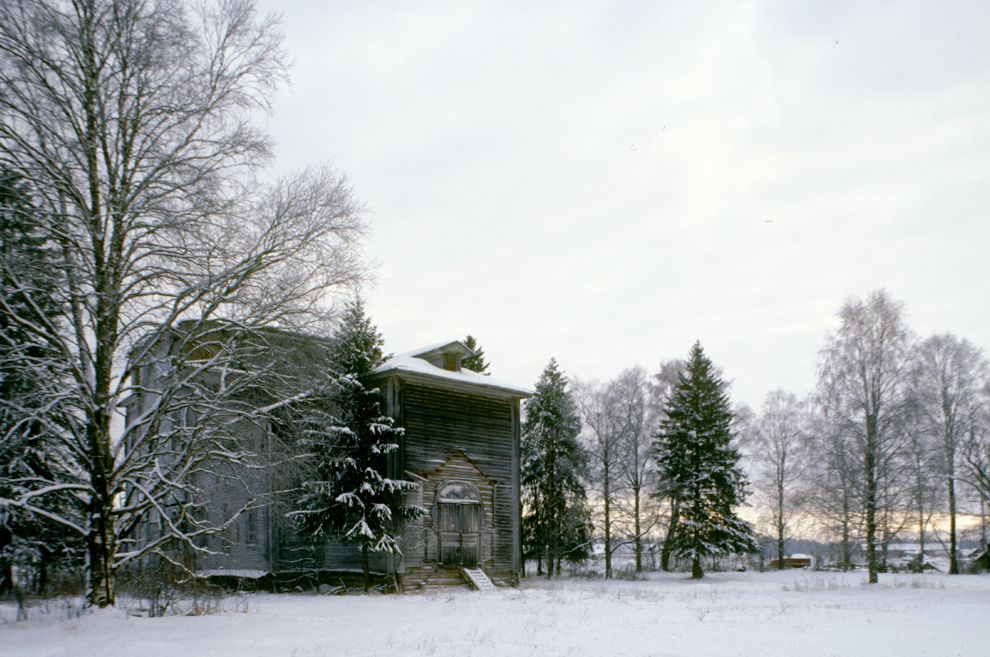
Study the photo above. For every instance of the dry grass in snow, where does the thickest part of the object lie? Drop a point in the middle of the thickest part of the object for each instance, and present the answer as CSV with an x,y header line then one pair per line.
x,y
789,614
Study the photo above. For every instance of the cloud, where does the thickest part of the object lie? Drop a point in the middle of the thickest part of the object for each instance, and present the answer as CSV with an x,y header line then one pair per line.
x,y
592,181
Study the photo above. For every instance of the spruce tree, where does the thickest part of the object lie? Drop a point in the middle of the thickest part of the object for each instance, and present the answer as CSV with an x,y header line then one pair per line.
x,y
348,492
31,412
555,524
698,466
477,362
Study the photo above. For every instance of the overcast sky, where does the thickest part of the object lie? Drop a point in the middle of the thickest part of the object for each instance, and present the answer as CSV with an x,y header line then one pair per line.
x,y
607,182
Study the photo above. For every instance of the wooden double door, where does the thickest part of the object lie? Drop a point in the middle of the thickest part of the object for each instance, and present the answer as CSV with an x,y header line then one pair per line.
x,y
458,525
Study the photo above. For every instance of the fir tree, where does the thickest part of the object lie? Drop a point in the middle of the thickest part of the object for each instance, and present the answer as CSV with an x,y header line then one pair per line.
x,y
555,525
477,362
30,409
698,466
348,492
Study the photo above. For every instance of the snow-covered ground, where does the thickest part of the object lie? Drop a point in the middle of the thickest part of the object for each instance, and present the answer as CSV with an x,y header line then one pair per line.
x,y
790,614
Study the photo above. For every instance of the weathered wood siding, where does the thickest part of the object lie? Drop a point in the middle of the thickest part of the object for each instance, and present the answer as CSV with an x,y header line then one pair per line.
x,y
301,555
452,434
244,543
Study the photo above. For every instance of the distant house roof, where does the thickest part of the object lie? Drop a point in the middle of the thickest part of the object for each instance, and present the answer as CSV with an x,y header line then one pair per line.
x,y
427,362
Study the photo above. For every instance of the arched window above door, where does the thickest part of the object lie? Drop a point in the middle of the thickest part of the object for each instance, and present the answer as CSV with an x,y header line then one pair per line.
x,y
461,492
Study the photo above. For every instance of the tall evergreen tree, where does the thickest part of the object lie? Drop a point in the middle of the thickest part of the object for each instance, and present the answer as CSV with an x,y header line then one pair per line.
x,y
477,362
555,524
348,491
30,411
699,466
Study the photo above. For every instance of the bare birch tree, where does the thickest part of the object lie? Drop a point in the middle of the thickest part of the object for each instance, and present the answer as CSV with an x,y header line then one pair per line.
x,y
131,120
833,493
948,377
637,470
863,384
618,434
598,405
922,466
976,455
777,442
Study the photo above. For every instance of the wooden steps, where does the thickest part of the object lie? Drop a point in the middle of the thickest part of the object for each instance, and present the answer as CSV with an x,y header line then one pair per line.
x,y
440,578
478,579
437,578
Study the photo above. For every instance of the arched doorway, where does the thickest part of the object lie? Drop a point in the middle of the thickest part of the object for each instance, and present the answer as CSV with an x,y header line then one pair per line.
x,y
457,521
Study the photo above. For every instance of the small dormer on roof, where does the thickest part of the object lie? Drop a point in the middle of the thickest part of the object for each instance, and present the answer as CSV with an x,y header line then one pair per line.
x,y
441,364
446,356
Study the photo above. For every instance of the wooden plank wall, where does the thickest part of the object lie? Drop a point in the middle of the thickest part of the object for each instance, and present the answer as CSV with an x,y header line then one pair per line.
x,y
441,422
457,468
229,487
449,435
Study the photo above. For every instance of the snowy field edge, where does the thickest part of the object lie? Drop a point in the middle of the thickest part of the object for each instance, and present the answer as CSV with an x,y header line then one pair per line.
x,y
780,613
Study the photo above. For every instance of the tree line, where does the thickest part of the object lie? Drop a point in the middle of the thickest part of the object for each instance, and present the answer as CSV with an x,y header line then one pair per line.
x,y
894,442
895,438
633,445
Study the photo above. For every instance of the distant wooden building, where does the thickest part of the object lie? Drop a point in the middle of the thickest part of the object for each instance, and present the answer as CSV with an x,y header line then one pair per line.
x,y
461,445
795,561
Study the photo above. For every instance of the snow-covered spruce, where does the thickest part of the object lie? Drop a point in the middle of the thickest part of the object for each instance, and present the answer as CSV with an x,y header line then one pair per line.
x,y
556,523
698,466
346,491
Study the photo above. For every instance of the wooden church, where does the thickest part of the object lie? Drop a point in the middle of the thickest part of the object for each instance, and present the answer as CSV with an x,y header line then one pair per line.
x,y
461,446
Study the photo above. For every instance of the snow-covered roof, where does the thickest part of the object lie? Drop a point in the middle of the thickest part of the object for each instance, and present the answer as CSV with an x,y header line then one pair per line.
x,y
415,363
449,345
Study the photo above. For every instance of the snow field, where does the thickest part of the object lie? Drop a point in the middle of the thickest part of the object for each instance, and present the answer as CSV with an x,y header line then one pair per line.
x,y
789,614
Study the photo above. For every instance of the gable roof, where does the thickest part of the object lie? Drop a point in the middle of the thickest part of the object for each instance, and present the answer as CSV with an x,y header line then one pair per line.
x,y
415,363
453,346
